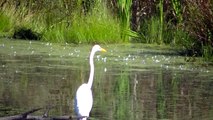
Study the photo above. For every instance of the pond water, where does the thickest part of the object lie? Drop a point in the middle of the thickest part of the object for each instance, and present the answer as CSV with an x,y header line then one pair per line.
x,y
132,81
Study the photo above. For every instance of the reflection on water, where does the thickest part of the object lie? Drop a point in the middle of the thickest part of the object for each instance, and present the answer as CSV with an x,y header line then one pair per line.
x,y
132,82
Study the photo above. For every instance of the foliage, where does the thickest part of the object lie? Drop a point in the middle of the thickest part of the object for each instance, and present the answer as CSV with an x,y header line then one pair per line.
x,y
5,23
187,23
180,23
176,4
125,16
76,26
161,21
150,30
150,33
199,23
96,26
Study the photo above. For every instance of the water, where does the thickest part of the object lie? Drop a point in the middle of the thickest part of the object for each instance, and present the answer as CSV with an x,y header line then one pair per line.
x,y
132,82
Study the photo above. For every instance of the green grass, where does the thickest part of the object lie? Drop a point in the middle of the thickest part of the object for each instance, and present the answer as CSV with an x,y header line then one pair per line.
x,y
150,33
97,26
6,24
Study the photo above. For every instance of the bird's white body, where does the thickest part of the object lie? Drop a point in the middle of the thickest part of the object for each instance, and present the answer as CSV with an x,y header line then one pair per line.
x,y
84,98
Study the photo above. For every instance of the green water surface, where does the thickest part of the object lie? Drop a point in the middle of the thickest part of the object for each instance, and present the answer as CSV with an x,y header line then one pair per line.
x,y
132,81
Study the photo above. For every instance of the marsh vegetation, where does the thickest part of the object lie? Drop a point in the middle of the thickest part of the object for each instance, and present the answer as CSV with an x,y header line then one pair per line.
x,y
186,24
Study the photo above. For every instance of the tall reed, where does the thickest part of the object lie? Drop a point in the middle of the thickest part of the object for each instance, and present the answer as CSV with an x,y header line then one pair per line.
x,y
177,9
150,30
125,16
161,22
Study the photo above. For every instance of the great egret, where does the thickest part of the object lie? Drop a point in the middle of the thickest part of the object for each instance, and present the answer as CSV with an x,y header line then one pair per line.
x,y
83,98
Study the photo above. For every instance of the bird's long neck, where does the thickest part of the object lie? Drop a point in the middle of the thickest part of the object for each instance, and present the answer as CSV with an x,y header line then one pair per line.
x,y
91,62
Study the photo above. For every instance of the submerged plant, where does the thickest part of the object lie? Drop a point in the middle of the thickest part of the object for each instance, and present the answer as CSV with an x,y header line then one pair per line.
x,y
122,90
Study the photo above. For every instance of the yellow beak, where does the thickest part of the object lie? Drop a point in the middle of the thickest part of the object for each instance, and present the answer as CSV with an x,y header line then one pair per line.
x,y
103,50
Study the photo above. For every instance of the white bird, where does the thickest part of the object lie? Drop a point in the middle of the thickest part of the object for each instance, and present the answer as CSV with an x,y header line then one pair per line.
x,y
84,98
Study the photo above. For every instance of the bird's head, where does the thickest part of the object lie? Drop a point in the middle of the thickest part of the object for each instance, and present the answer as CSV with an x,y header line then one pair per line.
x,y
97,48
